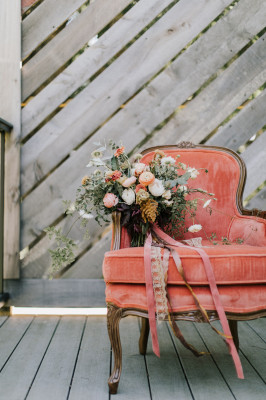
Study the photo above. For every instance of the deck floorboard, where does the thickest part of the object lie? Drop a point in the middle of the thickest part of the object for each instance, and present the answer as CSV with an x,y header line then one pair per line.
x,y
69,358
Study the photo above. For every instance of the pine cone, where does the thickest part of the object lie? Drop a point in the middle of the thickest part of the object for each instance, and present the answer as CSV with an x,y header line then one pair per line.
x,y
149,210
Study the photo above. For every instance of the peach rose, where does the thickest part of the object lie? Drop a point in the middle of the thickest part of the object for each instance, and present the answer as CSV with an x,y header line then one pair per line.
x,y
110,200
129,181
112,175
146,178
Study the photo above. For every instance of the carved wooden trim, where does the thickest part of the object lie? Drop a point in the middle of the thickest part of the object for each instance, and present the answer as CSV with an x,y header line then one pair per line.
x,y
114,315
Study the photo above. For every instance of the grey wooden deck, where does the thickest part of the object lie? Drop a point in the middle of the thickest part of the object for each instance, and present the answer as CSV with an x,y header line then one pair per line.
x,y
55,358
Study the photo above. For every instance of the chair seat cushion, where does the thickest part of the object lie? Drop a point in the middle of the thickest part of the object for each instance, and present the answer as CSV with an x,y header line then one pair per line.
x,y
235,299
232,264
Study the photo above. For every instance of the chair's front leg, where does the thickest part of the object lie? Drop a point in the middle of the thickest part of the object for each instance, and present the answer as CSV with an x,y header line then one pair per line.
x,y
144,335
234,331
114,315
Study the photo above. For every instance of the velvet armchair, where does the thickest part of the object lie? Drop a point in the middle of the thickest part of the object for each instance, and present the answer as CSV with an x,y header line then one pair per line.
x,y
238,257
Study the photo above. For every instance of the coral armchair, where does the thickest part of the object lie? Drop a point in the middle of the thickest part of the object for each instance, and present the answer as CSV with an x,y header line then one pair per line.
x,y
239,269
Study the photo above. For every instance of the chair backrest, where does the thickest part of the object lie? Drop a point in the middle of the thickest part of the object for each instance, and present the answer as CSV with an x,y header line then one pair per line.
x,y
225,178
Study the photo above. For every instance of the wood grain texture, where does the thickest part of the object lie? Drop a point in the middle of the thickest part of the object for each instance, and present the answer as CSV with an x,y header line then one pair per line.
x,y
55,372
93,363
87,111
202,369
10,111
254,157
166,372
11,333
252,385
243,126
258,201
72,38
89,62
23,363
44,20
222,96
195,121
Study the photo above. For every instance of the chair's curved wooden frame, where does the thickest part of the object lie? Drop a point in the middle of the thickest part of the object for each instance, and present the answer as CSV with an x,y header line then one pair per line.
x,y
115,313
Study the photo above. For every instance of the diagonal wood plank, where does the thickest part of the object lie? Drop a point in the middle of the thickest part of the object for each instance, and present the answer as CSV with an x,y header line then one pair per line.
x,y
54,375
10,335
166,372
44,20
89,62
250,387
243,126
93,364
72,38
26,359
259,201
219,99
106,93
254,158
258,325
203,375
242,75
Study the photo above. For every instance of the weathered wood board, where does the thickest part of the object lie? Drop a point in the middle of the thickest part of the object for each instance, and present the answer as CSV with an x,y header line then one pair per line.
x,y
160,73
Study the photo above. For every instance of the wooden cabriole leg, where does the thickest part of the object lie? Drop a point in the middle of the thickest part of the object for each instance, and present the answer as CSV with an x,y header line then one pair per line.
x,y
144,335
234,331
114,315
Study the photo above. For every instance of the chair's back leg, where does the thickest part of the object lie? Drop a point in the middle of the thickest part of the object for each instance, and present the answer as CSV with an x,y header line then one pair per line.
x,y
234,331
144,335
114,315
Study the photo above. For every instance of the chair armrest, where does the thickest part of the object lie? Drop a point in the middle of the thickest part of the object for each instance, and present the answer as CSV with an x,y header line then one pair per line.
x,y
255,213
249,227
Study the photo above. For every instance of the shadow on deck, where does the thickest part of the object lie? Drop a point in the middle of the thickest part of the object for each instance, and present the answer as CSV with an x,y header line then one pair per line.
x,y
69,358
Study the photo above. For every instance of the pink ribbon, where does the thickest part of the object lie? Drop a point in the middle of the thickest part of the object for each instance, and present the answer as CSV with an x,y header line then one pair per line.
x,y
213,287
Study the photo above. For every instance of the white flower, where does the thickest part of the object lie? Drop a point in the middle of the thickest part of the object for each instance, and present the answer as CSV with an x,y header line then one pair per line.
x,y
128,196
195,228
193,172
168,160
156,188
182,188
83,214
96,162
71,208
207,203
182,165
167,195
168,203
139,168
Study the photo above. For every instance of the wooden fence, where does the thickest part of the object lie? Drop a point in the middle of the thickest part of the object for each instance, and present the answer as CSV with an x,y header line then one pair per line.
x,y
145,72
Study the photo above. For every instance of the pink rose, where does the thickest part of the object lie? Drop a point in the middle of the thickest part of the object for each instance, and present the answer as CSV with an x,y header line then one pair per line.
x,y
110,200
129,181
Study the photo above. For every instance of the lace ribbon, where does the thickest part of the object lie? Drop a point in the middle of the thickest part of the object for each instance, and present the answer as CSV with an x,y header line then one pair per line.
x,y
150,255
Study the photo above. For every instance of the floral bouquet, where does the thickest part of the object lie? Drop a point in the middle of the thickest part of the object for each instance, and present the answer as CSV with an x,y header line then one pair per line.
x,y
144,194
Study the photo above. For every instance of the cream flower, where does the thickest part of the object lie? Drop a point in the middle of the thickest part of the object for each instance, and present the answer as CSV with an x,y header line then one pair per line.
x,y
168,161
206,203
182,188
139,168
193,172
156,188
195,228
167,195
128,196
83,214
168,203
